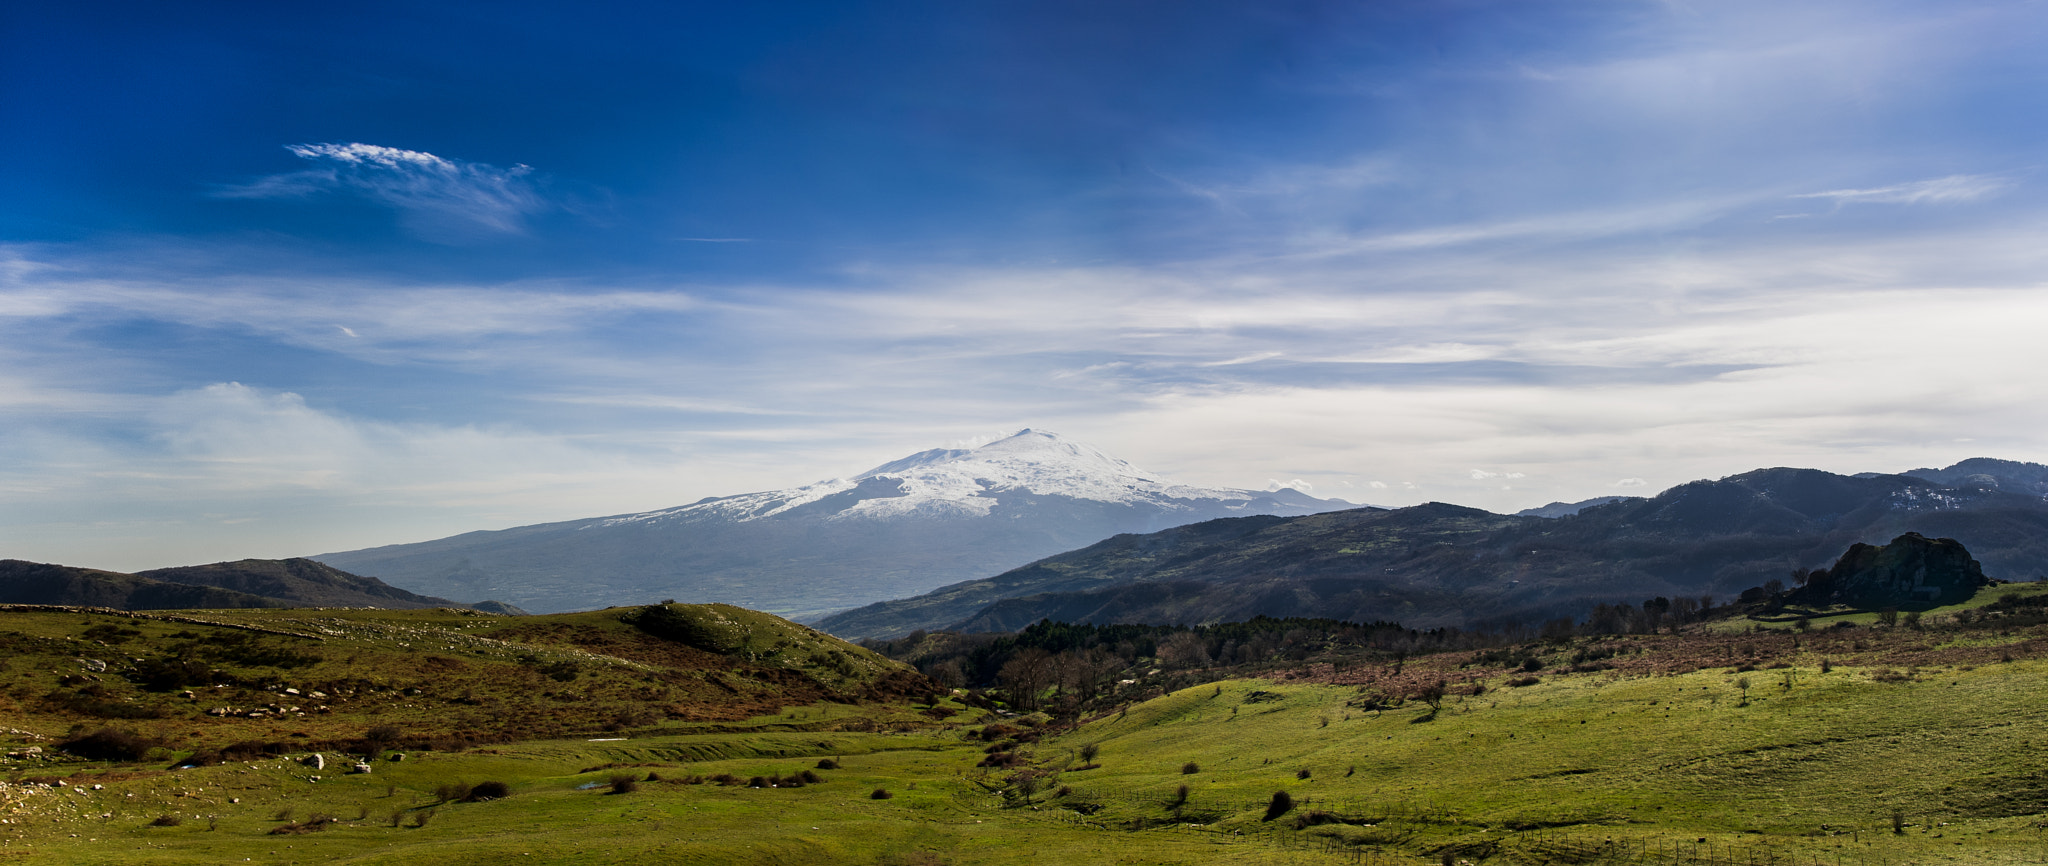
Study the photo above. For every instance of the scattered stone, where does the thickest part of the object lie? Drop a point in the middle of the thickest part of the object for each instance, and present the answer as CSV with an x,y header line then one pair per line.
x,y
317,761
361,768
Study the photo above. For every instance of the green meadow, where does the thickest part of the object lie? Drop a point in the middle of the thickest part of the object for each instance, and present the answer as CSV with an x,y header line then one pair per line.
x,y
1853,746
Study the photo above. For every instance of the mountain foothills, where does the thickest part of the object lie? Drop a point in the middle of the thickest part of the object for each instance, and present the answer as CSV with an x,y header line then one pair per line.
x,y
899,529
248,583
1443,565
1748,733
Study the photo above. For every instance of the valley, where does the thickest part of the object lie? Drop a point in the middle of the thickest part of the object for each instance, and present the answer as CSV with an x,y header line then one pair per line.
x,y
1837,739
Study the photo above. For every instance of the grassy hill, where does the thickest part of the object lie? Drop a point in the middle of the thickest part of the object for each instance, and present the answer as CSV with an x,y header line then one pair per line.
x,y
1737,740
276,583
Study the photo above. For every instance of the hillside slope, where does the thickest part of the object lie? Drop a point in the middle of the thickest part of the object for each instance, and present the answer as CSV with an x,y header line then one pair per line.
x,y
24,582
207,680
1444,565
242,584
302,582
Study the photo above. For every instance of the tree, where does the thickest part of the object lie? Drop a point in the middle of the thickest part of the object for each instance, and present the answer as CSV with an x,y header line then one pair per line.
x,y
1028,785
1024,676
1431,693
1185,649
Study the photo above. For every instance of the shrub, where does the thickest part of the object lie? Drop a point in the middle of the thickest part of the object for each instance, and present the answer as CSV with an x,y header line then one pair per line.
x,y
827,764
420,819
1281,804
1190,768
110,744
452,793
758,782
881,794
313,823
728,779
810,778
624,783
1089,751
167,821
1521,682
1180,797
1301,773
487,791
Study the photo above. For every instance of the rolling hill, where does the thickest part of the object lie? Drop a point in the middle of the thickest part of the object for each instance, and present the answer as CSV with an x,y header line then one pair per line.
x,y
1444,565
247,583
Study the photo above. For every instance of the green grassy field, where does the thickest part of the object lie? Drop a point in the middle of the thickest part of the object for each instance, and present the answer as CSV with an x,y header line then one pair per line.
x,y
1658,757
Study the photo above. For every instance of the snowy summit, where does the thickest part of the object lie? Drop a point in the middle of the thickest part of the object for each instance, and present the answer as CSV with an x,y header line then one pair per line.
x,y
972,482
899,529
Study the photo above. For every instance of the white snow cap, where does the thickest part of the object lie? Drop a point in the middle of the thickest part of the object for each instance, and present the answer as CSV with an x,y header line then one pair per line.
x,y
967,482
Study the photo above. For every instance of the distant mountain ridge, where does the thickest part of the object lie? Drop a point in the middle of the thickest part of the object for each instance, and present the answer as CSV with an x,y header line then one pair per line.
x,y
899,529
1445,565
248,583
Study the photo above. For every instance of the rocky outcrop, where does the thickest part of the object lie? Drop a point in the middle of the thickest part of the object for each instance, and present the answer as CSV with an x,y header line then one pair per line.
x,y
1913,571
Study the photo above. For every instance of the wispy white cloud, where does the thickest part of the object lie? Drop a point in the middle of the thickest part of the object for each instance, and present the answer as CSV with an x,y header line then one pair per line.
x,y
1941,190
441,198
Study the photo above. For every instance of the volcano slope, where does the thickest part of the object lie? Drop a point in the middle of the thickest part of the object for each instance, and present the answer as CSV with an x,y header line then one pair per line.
x,y
1732,741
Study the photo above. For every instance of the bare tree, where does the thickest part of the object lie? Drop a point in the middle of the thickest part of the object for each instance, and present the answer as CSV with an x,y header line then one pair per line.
x,y
1185,649
1025,676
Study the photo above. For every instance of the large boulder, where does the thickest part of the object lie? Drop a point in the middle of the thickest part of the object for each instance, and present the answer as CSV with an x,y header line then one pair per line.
x,y
1913,571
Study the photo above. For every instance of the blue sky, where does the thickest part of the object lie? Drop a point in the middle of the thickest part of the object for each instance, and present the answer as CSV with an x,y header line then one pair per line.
x,y
285,280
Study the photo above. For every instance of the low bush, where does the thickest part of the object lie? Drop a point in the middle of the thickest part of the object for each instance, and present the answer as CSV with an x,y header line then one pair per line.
x,y
482,791
624,783
827,764
312,824
167,821
1281,804
881,794
1190,768
111,744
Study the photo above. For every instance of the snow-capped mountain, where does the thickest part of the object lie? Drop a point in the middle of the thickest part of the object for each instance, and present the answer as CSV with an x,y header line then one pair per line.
x,y
899,529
